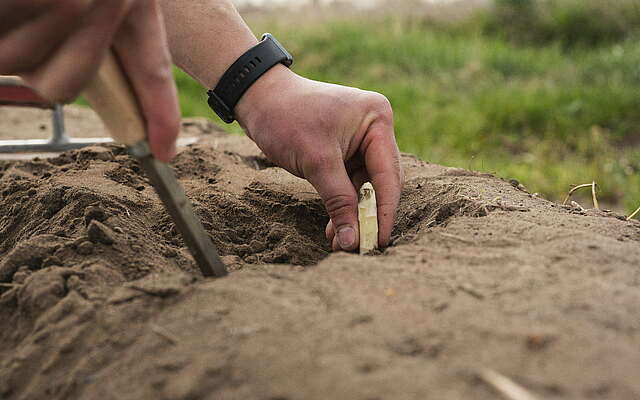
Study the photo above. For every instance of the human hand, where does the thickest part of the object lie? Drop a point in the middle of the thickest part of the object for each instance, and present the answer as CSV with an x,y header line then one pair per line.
x,y
57,46
336,137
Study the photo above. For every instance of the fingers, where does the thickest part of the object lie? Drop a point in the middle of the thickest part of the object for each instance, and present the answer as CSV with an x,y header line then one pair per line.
x,y
382,158
144,54
359,176
330,179
63,57
32,43
67,72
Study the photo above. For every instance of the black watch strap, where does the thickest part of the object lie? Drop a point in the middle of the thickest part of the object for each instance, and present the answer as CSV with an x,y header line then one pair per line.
x,y
243,73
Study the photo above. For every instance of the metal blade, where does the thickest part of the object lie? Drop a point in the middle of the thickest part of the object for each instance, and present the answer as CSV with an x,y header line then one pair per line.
x,y
179,208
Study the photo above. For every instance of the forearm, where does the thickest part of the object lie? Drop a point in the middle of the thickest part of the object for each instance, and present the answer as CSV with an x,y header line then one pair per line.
x,y
205,37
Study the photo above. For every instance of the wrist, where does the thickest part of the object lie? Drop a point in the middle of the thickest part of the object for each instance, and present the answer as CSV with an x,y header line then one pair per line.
x,y
260,96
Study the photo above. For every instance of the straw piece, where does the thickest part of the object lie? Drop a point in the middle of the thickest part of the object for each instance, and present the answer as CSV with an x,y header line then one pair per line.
x,y
505,386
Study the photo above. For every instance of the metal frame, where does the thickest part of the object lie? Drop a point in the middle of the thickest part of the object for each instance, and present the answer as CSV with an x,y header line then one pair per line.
x,y
59,140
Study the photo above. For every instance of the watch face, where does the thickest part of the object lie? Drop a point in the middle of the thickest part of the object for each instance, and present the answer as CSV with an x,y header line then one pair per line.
x,y
288,57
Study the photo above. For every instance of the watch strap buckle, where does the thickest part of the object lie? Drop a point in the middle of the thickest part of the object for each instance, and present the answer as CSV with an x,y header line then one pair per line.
x,y
220,107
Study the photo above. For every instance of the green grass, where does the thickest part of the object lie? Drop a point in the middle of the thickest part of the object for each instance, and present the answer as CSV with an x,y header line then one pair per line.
x,y
543,111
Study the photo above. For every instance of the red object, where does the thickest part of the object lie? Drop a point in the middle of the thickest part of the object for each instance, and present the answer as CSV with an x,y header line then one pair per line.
x,y
14,93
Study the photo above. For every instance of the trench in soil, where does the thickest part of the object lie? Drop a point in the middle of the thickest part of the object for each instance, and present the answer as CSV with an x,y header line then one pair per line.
x,y
45,224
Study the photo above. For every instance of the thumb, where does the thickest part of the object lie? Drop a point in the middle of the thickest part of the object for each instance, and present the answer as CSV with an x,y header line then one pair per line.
x,y
340,199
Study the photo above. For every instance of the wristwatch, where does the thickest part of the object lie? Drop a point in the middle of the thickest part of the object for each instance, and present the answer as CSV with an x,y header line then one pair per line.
x,y
243,73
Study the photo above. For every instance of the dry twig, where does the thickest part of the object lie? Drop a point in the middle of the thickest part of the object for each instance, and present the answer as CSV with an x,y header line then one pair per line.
x,y
592,185
505,386
633,214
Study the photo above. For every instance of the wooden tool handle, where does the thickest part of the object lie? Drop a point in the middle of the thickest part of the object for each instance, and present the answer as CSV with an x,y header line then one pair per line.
x,y
112,97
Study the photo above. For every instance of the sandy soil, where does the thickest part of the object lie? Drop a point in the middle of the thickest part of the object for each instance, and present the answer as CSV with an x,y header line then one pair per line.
x,y
100,300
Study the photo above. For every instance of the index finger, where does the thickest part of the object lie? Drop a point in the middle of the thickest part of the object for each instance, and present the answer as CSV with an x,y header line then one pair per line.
x,y
382,160
144,53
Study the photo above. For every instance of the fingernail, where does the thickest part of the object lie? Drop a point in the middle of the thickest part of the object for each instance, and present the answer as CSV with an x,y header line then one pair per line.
x,y
346,237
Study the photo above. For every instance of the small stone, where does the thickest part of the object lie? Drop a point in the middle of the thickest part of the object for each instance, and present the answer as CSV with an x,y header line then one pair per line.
x,y
140,188
100,233
538,341
94,212
85,248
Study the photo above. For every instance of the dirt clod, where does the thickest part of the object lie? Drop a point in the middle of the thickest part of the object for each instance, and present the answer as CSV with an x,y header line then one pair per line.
x,y
97,232
94,212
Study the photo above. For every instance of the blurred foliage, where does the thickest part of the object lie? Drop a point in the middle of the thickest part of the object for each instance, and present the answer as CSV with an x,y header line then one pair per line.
x,y
572,23
542,91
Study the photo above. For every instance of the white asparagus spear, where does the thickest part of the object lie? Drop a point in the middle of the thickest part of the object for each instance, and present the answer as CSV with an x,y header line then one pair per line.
x,y
368,219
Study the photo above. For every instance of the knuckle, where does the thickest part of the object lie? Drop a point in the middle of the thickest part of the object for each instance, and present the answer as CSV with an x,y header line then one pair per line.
x,y
158,75
383,102
381,105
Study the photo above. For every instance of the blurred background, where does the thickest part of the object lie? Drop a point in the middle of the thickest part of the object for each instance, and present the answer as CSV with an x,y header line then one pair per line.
x,y
542,91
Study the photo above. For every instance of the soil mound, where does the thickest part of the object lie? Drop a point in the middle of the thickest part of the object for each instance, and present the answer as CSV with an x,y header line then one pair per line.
x,y
100,299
